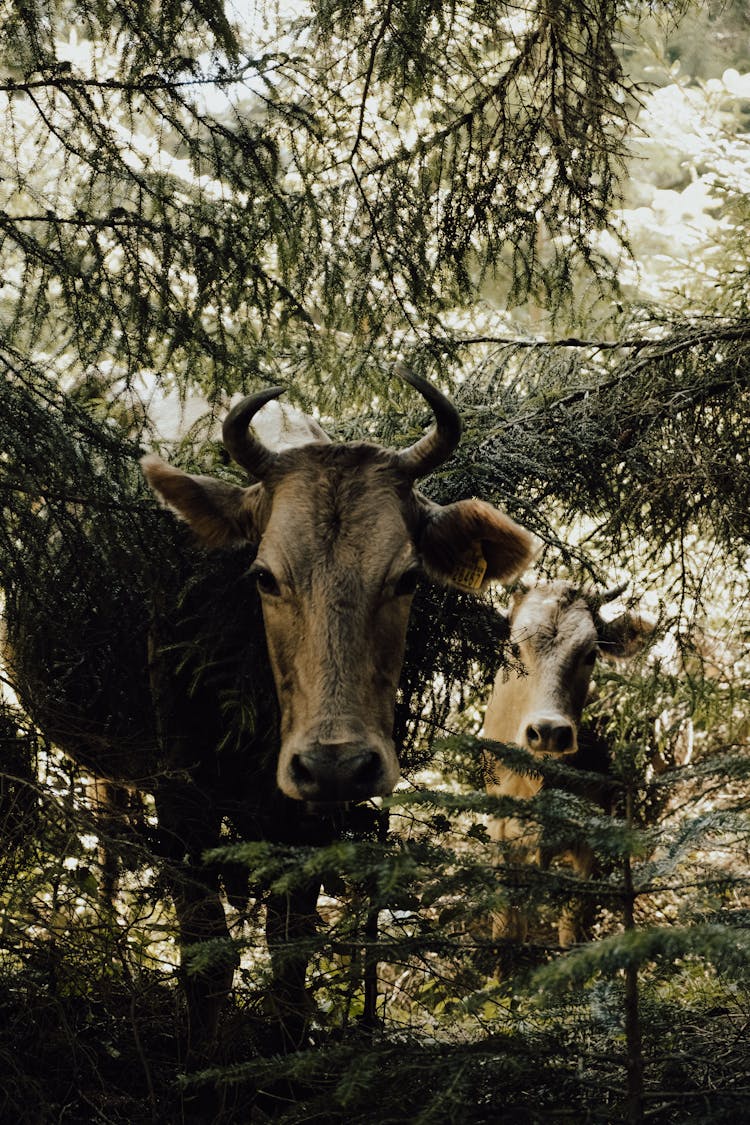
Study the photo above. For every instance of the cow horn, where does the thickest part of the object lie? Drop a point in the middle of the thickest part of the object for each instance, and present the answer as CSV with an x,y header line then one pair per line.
x,y
610,595
242,446
437,445
597,600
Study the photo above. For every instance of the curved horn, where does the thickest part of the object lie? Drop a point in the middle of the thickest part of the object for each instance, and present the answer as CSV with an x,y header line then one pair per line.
x,y
595,600
610,595
242,446
438,444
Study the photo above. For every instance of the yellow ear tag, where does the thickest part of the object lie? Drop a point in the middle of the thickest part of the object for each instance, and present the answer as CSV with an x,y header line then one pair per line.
x,y
470,572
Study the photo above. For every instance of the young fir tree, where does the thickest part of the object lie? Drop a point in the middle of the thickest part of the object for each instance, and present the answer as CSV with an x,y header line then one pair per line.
x,y
196,202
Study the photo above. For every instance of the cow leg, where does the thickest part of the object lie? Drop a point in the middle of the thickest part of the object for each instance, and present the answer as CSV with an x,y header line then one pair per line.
x,y
510,926
291,922
577,915
188,827
111,806
201,919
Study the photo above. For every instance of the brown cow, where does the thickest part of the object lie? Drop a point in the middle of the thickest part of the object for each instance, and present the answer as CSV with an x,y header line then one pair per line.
x,y
155,674
558,632
342,535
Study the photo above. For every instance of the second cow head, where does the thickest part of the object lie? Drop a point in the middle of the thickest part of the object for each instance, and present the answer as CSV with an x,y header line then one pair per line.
x,y
558,632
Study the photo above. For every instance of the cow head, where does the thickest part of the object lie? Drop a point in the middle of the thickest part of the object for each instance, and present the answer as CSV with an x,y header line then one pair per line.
x,y
342,536
558,631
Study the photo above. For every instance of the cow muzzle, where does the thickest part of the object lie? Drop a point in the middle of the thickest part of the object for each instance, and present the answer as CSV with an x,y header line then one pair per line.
x,y
550,735
338,771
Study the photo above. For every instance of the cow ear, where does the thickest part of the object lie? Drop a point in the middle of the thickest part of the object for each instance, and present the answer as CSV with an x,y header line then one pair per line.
x,y
470,544
625,635
221,514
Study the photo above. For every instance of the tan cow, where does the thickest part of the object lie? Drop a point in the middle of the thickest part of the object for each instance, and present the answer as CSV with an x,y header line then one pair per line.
x,y
558,633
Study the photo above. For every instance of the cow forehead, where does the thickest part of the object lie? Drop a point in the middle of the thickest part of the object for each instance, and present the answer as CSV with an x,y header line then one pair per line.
x,y
330,511
553,616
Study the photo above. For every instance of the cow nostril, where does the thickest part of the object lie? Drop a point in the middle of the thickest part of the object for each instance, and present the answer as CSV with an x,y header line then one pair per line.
x,y
533,736
301,774
368,771
563,738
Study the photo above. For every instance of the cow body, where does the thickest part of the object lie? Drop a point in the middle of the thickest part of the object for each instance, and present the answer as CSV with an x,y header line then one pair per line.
x,y
255,685
558,633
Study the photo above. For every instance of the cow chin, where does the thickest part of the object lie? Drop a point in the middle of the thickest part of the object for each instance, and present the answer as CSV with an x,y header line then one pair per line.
x,y
332,768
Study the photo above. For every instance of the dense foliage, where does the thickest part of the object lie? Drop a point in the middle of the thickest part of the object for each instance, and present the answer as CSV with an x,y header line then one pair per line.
x,y
200,199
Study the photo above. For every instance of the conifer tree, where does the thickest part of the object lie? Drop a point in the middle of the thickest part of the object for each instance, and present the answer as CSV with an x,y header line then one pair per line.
x,y
198,200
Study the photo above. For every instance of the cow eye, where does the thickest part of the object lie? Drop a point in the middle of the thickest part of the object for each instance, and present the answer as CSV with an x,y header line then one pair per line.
x,y
407,583
265,581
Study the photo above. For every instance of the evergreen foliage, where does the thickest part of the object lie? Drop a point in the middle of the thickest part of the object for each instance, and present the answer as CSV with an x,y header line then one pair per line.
x,y
195,202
